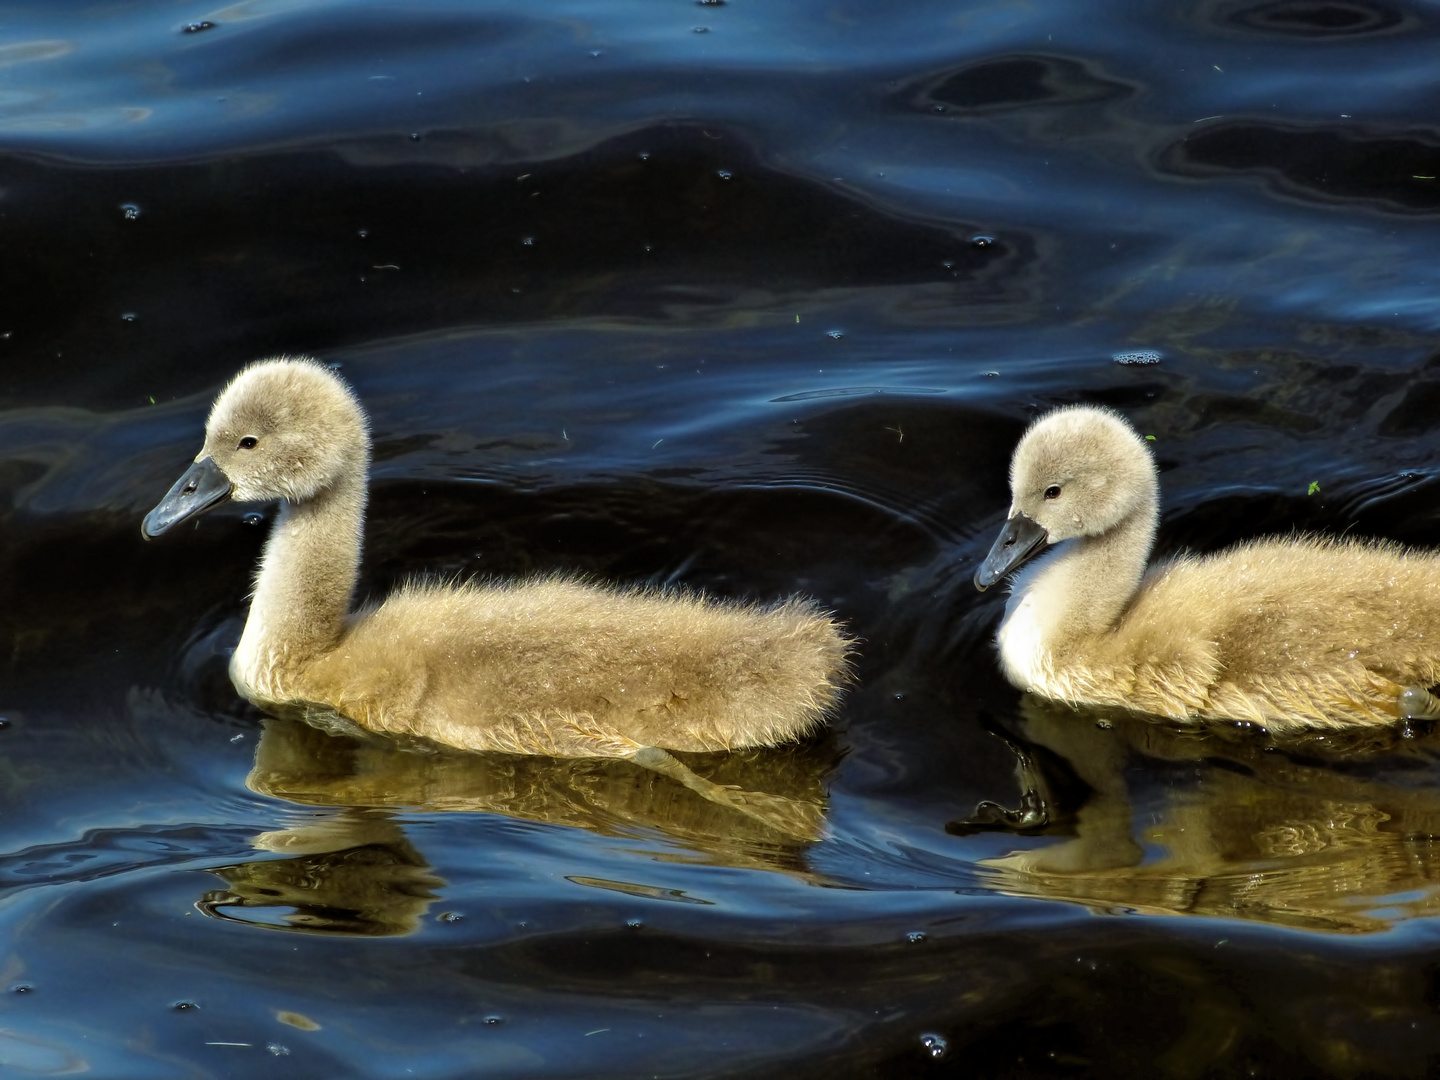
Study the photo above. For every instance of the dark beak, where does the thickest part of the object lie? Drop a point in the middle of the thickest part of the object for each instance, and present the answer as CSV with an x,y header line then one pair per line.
x,y
202,487
1019,541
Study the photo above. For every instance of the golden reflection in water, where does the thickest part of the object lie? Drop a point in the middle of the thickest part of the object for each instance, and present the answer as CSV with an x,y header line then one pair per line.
x,y
1334,833
356,872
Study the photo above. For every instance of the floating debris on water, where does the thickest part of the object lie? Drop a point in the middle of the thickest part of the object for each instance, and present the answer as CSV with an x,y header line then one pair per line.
x,y
296,1020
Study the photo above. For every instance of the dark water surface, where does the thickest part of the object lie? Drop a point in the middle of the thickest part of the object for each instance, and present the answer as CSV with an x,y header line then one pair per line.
x,y
753,298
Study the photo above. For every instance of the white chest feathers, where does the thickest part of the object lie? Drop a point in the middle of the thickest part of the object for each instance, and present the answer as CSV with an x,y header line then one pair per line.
x,y
1023,653
1032,614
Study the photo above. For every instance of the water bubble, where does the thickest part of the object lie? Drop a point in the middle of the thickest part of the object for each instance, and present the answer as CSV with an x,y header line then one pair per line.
x,y
278,1049
937,1046
128,316
835,334
5,336
711,3
700,29
528,241
981,240
899,695
362,233
1137,359
22,988
414,136
130,210
915,937
493,1019
254,517
724,174
5,722
649,247
596,54
634,924
450,916
948,264
185,1006
644,155
1104,725
237,738
198,27
937,108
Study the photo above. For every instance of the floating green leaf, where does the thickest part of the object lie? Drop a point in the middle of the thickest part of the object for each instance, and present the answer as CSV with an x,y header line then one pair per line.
x,y
1314,487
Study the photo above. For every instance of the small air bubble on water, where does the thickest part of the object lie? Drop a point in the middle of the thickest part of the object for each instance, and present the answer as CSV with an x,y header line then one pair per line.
x,y
595,53
835,334
1104,725
701,29
899,695
937,108
450,916
254,517
634,924
936,1045
185,1006
724,174
528,241
22,988
414,136
981,240
128,316
278,1049
492,1019
915,937
130,210
4,722
710,3
644,155
362,233
198,27
948,264
1137,359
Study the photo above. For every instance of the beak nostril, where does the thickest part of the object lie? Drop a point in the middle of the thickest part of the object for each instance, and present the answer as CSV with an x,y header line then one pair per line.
x,y
190,488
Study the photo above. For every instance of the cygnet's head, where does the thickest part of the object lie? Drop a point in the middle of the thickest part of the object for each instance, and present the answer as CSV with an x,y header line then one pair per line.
x,y
283,429
1078,471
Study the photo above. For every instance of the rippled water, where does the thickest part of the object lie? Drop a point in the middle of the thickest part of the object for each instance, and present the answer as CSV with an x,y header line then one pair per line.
x,y
753,298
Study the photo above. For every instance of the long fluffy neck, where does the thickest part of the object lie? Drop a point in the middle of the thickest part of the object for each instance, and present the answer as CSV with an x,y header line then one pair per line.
x,y
1078,590
304,588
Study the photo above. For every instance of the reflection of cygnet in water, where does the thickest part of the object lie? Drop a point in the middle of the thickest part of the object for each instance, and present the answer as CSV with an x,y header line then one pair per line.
x,y
356,872
1253,828
1289,633
300,764
551,666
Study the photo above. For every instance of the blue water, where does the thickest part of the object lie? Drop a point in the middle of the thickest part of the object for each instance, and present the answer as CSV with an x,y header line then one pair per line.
x,y
751,298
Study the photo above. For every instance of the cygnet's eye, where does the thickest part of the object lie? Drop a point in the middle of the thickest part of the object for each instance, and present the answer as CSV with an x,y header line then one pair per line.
x,y
249,442
1053,491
